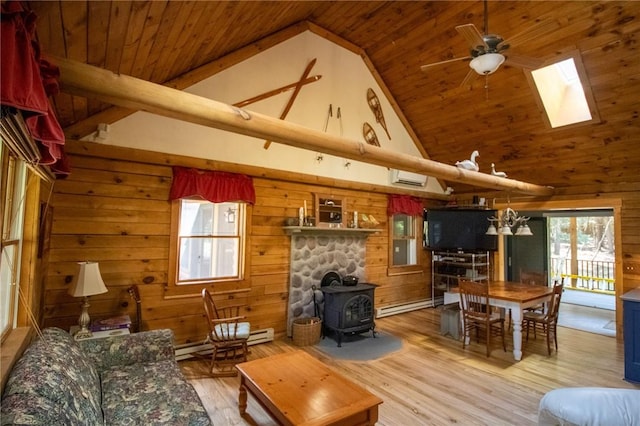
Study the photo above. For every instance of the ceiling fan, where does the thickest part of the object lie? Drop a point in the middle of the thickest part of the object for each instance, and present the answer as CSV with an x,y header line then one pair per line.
x,y
488,51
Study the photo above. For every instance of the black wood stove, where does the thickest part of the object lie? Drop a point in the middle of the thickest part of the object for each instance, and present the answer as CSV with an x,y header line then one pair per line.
x,y
348,308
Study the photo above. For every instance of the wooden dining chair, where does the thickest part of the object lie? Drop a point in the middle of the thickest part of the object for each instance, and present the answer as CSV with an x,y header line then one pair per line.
x,y
531,278
534,278
478,314
546,322
228,334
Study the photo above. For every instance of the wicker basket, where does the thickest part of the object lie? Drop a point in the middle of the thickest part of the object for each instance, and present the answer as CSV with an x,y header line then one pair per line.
x,y
306,331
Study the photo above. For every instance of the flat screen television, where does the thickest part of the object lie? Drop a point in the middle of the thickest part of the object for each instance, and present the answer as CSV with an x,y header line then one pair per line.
x,y
459,229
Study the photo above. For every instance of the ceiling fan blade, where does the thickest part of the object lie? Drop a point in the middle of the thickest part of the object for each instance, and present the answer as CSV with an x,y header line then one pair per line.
x,y
524,61
427,66
468,79
535,31
472,35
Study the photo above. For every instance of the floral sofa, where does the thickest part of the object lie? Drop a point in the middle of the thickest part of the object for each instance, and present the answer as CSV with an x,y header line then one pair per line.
x,y
121,380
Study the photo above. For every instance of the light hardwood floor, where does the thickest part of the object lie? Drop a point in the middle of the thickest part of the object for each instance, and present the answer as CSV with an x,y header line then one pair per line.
x,y
433,381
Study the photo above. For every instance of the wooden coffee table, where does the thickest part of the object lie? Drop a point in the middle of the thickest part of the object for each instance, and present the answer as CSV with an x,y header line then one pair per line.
x,y
297,389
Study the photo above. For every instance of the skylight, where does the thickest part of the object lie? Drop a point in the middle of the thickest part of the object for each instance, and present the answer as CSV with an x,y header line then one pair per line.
x,y
562,94
567,69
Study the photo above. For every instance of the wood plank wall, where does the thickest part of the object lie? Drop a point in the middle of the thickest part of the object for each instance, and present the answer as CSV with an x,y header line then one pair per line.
x,y
115,211
630,235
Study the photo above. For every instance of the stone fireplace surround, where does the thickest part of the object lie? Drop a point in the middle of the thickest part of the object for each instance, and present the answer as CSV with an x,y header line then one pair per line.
x,y
314,254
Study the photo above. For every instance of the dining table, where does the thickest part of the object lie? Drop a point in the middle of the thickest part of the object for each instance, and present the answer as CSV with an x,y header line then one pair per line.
x,y
511,295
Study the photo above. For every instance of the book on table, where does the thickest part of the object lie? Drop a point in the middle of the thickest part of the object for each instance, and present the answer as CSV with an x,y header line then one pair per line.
x,y
113,323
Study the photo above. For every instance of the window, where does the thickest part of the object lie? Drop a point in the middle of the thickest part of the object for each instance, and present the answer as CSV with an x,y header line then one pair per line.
x,y
12,191
563,92
207,246
210,241
404,256
210,230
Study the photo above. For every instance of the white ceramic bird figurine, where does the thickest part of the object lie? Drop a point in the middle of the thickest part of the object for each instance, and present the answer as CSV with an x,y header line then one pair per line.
x,y
469,164
448,191
499,174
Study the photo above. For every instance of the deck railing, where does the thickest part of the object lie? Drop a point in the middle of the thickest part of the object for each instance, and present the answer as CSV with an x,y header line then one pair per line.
x,y
591,275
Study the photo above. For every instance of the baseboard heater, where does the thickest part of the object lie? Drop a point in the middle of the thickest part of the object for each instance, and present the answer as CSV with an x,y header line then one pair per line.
x,y
403,307
187,350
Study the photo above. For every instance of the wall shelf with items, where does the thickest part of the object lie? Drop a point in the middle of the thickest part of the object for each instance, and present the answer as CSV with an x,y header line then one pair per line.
x,y
330,211
448,267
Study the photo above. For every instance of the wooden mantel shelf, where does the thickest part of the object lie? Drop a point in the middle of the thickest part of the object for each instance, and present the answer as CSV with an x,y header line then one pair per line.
x,y
290,230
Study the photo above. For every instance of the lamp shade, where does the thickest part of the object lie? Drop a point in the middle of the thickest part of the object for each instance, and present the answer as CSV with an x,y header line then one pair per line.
x,y
524,230
492,230
505,230
487,63
88,281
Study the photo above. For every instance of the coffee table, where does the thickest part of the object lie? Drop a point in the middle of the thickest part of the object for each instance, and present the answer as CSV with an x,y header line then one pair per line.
x,y
297,389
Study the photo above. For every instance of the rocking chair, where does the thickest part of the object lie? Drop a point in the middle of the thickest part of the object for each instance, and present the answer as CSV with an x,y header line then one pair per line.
x,y
228,334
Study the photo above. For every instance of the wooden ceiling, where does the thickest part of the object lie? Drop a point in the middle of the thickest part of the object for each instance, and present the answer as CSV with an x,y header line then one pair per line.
x,y
162,41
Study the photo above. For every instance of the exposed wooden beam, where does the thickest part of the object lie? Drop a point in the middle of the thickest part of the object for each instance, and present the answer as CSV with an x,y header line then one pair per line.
x,y
86,80
112,114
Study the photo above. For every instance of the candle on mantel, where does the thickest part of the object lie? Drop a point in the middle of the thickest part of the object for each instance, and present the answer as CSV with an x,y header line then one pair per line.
x,y
305,208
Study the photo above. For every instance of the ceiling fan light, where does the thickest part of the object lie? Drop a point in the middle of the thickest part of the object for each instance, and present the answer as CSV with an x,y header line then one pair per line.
x,y
486,64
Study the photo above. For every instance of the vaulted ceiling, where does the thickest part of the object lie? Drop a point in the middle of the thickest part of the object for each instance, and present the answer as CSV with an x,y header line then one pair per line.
x,y
162,41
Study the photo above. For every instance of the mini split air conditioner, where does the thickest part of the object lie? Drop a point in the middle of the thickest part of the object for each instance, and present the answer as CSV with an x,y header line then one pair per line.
x,y
407,178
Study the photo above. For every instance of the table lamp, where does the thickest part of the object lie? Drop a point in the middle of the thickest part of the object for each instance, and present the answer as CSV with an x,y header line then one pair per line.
x,y
87,283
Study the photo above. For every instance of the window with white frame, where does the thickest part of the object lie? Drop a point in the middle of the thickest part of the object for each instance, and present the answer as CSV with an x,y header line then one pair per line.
x,y
12,184
210,243
404,240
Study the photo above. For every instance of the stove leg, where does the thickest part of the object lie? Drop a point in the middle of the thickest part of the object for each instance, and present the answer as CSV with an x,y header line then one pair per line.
x,y
339,339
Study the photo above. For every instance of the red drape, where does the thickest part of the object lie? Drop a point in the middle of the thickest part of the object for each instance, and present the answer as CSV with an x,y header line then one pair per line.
x,y
404,204
26,82
213,186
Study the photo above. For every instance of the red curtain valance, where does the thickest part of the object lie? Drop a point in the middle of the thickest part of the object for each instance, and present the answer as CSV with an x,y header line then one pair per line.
x,y
404,204
27,81
213,186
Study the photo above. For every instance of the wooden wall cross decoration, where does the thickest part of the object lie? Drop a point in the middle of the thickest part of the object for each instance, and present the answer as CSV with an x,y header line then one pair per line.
x,y
299,85
277,91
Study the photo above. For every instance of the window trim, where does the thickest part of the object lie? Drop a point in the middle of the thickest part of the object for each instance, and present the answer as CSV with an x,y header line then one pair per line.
x,y
11,168
406,269
194,289
23,300
27,315
586,88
